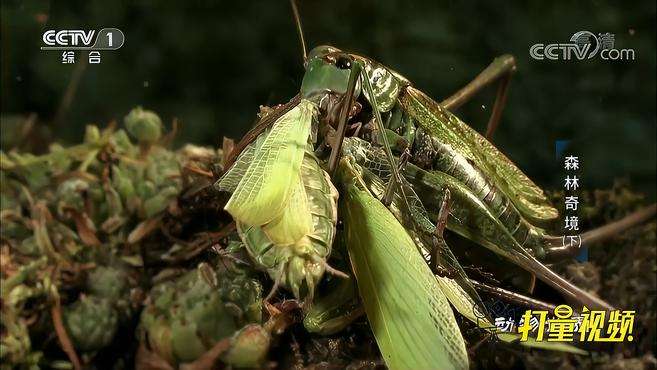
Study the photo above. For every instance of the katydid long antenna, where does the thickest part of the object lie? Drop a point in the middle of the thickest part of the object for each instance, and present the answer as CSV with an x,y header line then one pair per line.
x,y
297,20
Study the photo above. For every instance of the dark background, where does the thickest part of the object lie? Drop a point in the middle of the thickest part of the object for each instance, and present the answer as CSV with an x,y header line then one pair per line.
x,y
211,64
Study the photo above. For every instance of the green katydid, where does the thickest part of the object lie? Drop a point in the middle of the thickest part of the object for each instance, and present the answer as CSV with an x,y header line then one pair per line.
x,y
272,200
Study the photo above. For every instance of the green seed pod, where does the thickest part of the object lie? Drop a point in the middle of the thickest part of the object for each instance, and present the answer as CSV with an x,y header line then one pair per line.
x,y
143,125
91,322
248,347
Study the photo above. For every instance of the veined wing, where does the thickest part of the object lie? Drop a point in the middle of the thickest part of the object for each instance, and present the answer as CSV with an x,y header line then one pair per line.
x,y
411,318
263,124
529,198
232,177
374,168
294,222
265,189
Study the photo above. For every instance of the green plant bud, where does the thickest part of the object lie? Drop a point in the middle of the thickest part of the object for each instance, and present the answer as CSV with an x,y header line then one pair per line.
x,y
70,194
145,189
91,134
245,293
121,143
160,201
249,347
60,158
91,322
143,125
163,165
113,200
122,183
36,173
28,246
107,282
184,318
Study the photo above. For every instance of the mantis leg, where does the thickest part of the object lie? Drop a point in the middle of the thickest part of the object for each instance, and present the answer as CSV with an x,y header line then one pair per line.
x,y
501,69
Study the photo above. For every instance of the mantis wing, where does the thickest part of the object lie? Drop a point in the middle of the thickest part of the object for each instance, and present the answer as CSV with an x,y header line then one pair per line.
x,y
440,123
412,320
264,192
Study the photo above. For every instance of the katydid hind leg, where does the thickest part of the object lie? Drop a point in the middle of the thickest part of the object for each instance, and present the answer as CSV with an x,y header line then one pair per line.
x,y
558,249
501,70
570,291
512,297
441,223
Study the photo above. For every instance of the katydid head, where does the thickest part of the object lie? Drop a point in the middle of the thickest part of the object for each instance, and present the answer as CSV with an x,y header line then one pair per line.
x,y
327,71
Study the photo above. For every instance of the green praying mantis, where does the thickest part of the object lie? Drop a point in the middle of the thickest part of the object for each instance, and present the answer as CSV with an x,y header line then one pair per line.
x,y
360,146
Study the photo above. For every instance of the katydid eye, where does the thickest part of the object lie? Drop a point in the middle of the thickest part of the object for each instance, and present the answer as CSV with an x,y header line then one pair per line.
x,y
343,62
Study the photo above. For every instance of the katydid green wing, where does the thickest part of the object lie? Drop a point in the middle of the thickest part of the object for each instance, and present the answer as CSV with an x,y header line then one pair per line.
x,y
410,316
436,120
265,190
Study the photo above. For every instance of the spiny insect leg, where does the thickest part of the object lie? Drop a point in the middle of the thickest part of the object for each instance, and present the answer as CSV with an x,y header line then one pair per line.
x,y
501,69
344,115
